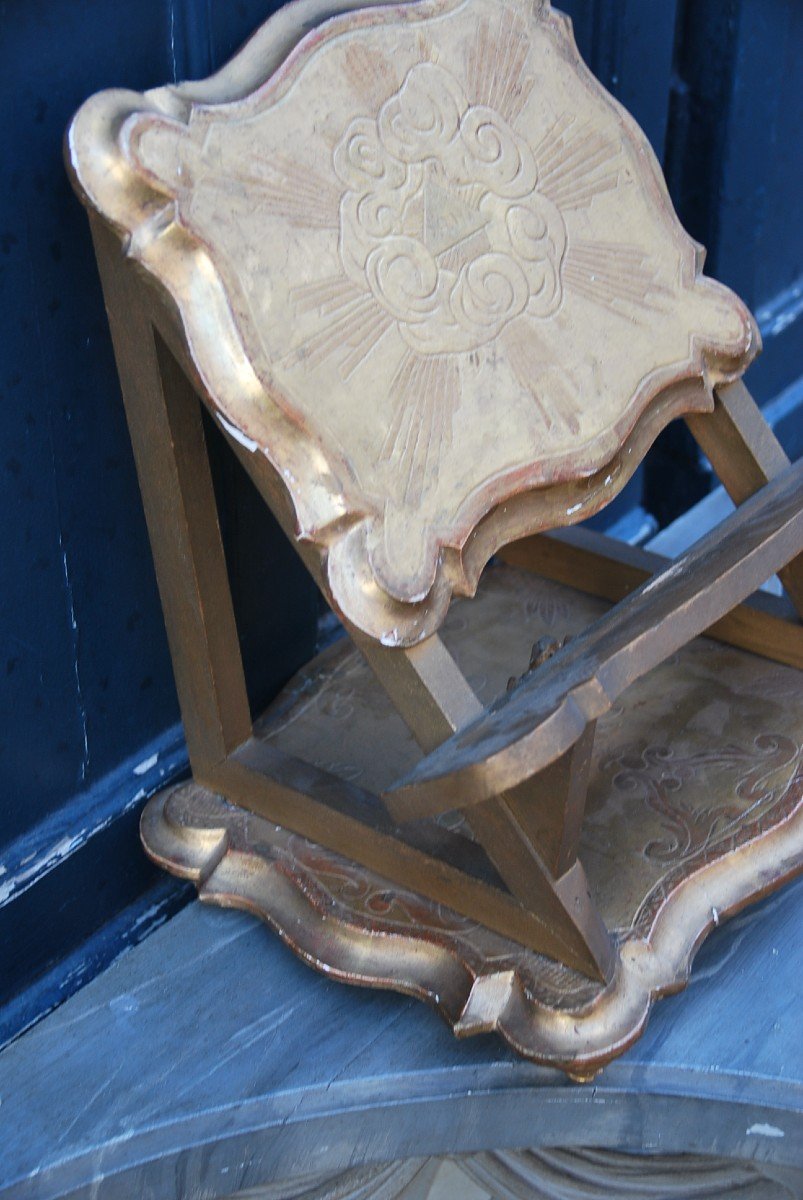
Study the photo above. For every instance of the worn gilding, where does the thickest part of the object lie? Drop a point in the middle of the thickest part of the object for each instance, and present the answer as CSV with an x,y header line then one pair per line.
x,y
397,260
694,809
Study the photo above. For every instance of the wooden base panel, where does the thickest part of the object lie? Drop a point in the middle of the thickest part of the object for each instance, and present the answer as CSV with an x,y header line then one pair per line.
x,y
695,808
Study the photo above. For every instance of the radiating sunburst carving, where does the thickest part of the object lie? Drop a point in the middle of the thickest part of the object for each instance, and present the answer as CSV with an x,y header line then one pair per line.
x,y
552,392
496,65
452,231
612,274
281,186
372,77
440,255
426,395
352,324
576,164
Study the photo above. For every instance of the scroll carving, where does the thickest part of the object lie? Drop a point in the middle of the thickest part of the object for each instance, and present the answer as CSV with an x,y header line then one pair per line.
x,y
448,283
679,831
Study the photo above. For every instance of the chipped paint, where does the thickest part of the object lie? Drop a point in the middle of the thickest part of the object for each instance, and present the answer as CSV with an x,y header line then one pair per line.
x,y
23,867
146,764
238,434
676,569
40,865
762,1130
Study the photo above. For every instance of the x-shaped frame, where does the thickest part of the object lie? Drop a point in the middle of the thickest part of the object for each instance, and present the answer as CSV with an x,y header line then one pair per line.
x,y
517,773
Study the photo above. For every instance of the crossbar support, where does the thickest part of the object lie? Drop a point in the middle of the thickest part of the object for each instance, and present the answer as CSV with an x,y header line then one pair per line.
x,y
530,832
737,440
541,718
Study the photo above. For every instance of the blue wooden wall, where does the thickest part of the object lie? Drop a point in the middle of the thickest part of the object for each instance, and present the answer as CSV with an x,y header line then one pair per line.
x,y
88,713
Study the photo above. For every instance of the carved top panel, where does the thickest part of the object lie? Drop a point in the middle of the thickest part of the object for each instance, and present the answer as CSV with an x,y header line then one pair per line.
x,y
430,269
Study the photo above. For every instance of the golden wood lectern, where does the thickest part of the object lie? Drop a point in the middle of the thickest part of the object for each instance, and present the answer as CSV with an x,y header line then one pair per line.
x,y
425,274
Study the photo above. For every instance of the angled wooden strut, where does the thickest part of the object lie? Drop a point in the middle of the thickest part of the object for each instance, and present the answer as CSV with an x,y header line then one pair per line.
x,y
599,565
746,455
546,714
549,910
399,336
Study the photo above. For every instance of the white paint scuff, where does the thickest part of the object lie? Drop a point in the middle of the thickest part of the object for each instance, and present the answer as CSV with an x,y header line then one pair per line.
x,y
44,863
146,764
762,1130
237,434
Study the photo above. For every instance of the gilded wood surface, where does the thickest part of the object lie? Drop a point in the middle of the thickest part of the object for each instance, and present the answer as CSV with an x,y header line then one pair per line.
x,y
694,808
430,269
548,710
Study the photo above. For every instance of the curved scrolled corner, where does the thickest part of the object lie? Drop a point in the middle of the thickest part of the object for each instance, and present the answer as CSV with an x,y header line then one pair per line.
x,y
97,148
355,927
439,346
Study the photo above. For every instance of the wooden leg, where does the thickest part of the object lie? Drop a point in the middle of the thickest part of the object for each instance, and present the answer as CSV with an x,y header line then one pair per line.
x,y
164,419
339,815
552,807
746,455
530,834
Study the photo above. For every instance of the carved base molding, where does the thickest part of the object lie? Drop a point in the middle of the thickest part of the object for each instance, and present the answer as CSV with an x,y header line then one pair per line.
x,y
548,1175
694,810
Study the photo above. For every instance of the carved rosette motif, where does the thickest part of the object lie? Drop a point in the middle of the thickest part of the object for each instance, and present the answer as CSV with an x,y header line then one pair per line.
x,y
430,270
442,218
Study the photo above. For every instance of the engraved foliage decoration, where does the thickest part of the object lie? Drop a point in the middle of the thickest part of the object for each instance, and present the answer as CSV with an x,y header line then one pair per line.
x,y
428,267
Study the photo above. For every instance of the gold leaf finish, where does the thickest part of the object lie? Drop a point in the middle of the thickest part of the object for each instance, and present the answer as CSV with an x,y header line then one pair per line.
x,y
430,270
695,808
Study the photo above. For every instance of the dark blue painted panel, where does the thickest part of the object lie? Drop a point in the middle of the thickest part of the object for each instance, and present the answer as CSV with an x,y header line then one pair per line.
x,y
735,171
735,161
759,248
85,676
758,244
628,45
84,656
85,679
